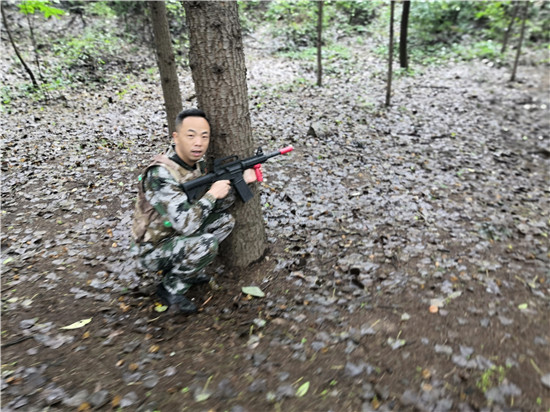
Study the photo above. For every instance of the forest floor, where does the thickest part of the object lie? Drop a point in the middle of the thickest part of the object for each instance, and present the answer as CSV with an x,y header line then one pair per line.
x,y
408,266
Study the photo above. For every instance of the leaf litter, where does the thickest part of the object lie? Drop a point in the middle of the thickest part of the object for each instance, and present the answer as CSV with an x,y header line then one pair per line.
x,y
381,216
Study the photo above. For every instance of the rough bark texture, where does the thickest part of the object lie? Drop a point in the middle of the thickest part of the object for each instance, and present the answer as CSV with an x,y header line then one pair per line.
x,y
217,63
166,63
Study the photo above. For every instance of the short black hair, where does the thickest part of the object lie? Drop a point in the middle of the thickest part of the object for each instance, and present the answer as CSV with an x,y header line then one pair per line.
x,y
190,113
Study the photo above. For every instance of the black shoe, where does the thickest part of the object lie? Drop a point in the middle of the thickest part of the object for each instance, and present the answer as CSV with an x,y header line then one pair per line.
x,y
200,279
178,303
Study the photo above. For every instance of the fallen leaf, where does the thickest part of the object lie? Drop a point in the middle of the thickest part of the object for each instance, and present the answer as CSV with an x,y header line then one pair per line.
x,y
160,308
302,390
253,291
77,325
116,401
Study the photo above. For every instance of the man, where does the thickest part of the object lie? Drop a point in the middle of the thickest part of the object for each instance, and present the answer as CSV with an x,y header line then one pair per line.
x,y
172,235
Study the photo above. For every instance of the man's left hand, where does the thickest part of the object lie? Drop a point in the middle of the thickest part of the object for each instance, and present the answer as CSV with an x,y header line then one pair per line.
x,y
249,175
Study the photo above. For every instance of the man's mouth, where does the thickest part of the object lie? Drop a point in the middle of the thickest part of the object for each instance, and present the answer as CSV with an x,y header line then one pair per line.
x,y
196,153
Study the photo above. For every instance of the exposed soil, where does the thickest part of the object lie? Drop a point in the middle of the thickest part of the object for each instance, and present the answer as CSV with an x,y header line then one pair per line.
x,y
408,261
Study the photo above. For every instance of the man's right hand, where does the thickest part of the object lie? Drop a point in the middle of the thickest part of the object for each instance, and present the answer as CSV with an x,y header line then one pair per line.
x,y
220,189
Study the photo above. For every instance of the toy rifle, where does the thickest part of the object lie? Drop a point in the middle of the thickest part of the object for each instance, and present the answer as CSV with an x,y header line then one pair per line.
x,y
231,168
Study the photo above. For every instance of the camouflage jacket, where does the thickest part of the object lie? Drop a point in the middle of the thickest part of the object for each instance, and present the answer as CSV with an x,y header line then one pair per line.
x,y
163,209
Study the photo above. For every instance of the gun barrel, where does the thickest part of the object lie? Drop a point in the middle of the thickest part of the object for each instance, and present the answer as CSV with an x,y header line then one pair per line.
x,y
285,150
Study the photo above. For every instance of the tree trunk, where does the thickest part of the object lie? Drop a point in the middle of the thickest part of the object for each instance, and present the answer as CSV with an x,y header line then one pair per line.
x,y
509,28
390,63
166,63
319,43
16,50
403,56
521,36
217,62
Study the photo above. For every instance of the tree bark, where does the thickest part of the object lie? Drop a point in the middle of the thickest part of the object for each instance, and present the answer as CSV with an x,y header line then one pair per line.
x,y
403,55
217,62
166,63
319,43
390,47
520,43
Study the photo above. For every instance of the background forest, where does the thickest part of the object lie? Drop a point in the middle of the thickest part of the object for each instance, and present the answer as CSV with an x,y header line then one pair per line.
x,y
407,260
92,35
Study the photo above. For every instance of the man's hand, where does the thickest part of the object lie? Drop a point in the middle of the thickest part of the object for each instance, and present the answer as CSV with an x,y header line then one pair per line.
x,y
249,175
220,189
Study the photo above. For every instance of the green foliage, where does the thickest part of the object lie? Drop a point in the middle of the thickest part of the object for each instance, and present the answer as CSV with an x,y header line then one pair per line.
x,y
30,7
357,14
90,50
251,13
293,21
101,9
485,49
129,8
441,22
491,377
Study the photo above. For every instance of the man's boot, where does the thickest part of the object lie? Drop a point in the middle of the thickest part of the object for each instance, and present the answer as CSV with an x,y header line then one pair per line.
x,y
178,303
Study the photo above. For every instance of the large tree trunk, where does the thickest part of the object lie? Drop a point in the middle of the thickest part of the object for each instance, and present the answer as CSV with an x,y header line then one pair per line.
x,y
166,63
217,63
403,55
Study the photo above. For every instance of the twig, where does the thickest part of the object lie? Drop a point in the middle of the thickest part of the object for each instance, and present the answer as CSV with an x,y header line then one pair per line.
x,y
207,300
16,341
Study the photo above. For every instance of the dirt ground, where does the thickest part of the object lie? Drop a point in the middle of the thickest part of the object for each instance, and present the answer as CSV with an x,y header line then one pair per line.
x,y
408,260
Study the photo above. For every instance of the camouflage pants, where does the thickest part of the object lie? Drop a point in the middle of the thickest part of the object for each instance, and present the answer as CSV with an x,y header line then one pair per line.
x,y
182,258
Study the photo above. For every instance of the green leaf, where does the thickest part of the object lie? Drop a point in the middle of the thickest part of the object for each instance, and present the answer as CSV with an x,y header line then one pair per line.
x,y
161,308
302,390
523,306
253,291
78,324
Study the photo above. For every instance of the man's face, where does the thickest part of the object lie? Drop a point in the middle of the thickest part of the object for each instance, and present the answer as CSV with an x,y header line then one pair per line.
x,y
192,139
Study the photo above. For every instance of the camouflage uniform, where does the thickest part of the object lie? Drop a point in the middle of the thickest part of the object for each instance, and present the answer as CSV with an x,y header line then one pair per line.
x,y
172,235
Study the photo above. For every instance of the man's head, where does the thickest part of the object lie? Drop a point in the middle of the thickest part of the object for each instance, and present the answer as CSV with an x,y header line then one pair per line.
x,y
192,135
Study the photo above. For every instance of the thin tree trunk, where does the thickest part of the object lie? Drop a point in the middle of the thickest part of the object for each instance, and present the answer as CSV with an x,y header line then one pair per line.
x,y
27,68
319,43
390,63
35,48
217,62
510,27
403,55
166,63
520,43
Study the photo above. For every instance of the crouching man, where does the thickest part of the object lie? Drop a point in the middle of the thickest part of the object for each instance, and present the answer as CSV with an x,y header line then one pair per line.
x,y
173,236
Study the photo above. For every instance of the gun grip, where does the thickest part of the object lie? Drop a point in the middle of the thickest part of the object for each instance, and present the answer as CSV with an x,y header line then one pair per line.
x,y
259,174
242,189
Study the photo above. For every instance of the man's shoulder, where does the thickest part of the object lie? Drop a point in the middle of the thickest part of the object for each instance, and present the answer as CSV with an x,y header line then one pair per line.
x,y
169,171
